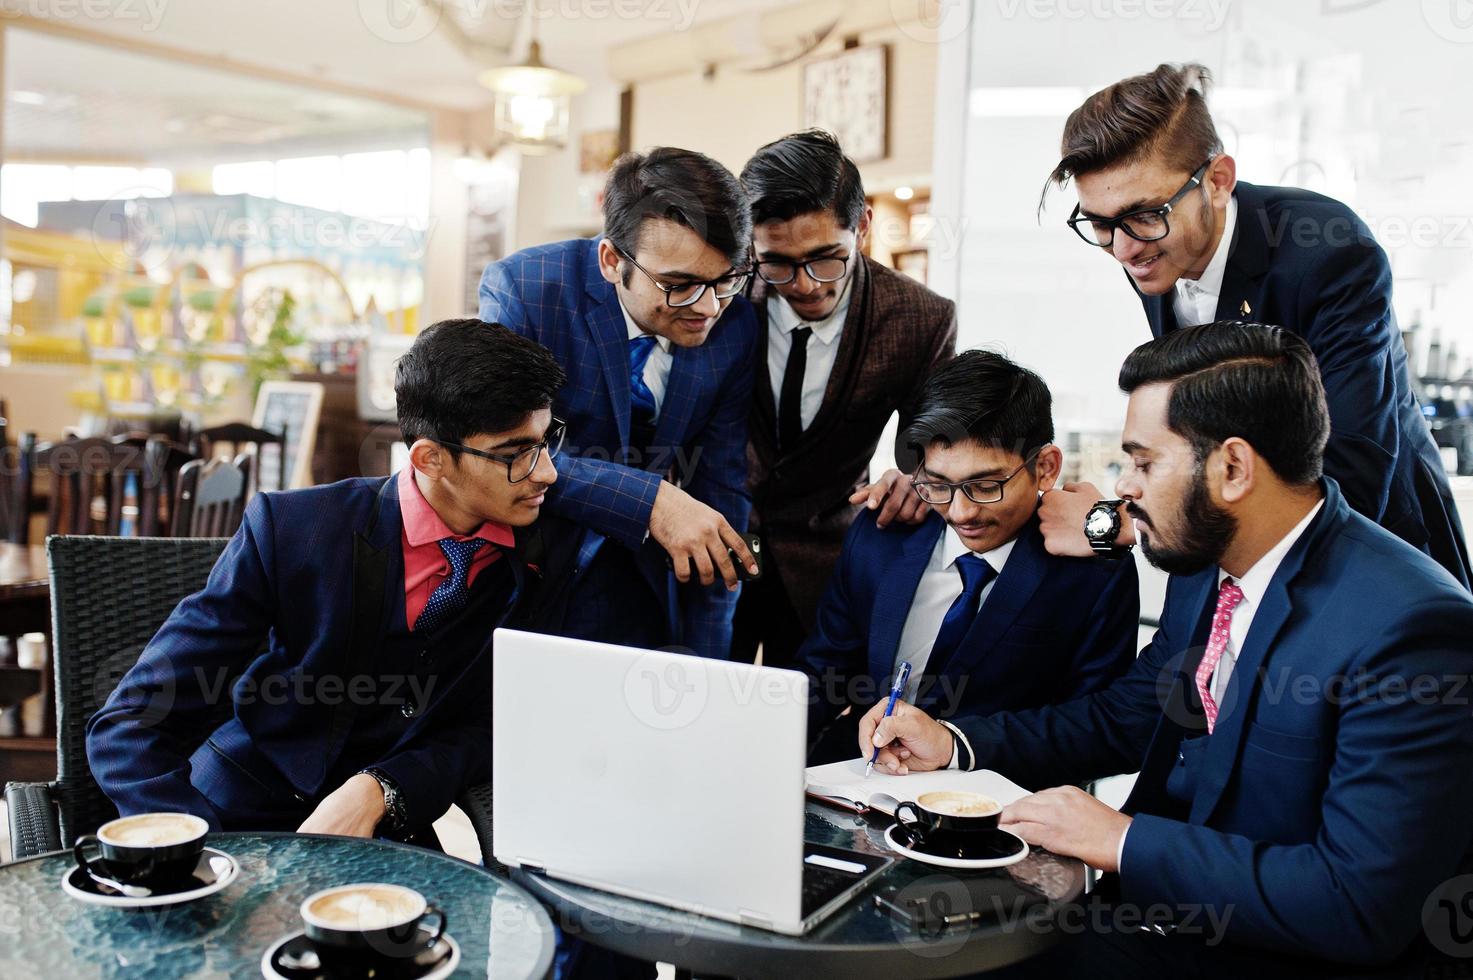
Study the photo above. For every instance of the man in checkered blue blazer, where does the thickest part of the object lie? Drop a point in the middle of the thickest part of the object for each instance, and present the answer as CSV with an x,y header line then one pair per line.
x,y
658,343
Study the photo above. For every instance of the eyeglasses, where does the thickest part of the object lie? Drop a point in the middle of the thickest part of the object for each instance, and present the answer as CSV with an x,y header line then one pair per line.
x,y
1144,224
780,272
521,464
941,493
690,293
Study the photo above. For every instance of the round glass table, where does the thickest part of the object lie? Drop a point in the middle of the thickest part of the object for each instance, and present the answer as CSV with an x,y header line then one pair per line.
x,y
859,941
501,930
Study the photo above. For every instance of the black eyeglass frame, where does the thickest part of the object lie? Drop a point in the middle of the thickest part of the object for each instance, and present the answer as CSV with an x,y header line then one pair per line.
x,y
738,276
952,488
807,265
552,442
1162,211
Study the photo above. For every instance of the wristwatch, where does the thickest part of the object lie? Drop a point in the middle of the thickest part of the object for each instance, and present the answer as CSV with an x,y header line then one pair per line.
x,y
1102,526
393,799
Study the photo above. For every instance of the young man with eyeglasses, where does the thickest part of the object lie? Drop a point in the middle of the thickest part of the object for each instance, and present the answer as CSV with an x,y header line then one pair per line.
x,y
846,343
331,676
986,617
648,321
1157,192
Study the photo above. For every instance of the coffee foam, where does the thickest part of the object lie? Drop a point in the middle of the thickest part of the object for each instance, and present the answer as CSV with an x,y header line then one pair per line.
x,y
956,804
153,830
365,907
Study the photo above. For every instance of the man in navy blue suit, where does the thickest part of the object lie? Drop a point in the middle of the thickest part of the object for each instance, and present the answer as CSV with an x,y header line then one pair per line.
x,y
1157,192
986,617
332,675
649,324
1300,720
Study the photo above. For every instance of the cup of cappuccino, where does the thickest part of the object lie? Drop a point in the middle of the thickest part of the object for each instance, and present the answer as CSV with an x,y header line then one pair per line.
x,y
145,848
368,920
948,814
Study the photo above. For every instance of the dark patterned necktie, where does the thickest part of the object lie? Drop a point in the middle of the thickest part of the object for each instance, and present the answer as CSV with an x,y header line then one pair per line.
x,y
450,595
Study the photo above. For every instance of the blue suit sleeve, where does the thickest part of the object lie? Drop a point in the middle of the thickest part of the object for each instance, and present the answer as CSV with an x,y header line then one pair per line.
x,y
612,499
434,769
139,743
1349,324
1399,766
1109,646
1102,734
838,647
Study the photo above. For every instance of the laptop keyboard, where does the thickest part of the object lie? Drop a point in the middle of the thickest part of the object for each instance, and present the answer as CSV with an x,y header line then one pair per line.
x,y
822,885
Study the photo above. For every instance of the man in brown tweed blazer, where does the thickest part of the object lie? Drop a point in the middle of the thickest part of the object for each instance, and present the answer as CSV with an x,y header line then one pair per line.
x,y
869,338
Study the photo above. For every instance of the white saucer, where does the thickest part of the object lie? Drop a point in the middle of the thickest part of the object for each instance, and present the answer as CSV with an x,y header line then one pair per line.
x,y
225,868
269,971
973,864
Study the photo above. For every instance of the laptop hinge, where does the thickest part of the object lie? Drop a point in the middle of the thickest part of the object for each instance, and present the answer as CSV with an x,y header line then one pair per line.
x,y
756,919
532,869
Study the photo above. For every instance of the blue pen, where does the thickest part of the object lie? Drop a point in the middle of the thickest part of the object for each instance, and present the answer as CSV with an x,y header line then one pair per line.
x,y
895,692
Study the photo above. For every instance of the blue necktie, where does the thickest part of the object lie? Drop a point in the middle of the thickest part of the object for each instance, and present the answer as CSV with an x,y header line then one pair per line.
x,y
976,573
450,596
641,399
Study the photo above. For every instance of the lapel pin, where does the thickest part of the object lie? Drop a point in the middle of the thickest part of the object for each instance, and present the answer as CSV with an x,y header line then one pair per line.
x,y
1245,309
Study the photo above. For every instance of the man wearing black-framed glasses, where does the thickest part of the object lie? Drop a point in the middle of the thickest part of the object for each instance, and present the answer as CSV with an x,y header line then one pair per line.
x,y
1160,195
846,342
649,322
986,617
331,675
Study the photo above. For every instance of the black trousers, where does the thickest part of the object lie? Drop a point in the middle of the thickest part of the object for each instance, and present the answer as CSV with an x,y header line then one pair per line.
x,y
765,618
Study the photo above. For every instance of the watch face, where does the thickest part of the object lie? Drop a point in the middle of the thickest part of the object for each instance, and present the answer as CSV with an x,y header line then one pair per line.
x,y
1099,523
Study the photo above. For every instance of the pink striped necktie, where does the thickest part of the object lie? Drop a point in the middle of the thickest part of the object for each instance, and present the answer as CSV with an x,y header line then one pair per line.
x,y
1228,597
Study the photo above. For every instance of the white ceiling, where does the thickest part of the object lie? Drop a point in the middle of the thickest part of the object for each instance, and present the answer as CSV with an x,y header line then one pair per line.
x,y
101,100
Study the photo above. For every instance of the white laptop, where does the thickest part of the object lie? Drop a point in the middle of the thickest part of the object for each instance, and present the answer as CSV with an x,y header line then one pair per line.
x,y
664,777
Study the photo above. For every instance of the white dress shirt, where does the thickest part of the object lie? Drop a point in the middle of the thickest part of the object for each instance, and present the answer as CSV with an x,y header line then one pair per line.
x,y
1254,584
1195,300
939,587
823,349
657,368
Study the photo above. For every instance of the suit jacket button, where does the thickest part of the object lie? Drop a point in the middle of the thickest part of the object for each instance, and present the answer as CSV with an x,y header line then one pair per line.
x,y
407,709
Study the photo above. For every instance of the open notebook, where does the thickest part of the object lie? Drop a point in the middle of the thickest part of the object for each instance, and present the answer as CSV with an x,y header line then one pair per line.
x,y
843,784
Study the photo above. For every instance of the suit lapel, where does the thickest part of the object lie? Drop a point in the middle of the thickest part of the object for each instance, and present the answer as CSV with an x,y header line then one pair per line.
x,y
896,592
1248,258
1160,313
605,320
689,372
1019,579
1225,742
764,409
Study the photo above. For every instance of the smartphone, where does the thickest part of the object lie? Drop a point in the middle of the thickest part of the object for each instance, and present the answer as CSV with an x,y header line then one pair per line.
x,y
754,545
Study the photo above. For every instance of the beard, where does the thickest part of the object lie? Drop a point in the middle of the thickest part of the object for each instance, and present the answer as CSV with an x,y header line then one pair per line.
x,y
1204,529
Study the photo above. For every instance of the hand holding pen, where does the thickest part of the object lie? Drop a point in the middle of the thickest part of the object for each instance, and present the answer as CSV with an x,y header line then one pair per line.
x,y
901,677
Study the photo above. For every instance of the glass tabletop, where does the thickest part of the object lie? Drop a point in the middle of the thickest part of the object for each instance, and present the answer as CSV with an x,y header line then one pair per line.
x,y
501,930
861,939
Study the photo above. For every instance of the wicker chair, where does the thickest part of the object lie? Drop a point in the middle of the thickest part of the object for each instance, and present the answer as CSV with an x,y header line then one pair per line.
x,y
109,596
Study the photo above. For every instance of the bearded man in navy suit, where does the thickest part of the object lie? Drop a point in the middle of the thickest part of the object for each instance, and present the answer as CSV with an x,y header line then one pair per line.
x,y
1299,721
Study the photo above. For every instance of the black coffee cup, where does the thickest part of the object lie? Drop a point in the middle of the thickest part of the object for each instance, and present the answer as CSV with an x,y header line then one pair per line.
x,y
145,848
351,924
949,817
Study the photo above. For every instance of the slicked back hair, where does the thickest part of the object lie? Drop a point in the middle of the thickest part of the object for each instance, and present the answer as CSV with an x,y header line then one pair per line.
x,y
1259,383
463,378
980,396
1163,111
682,186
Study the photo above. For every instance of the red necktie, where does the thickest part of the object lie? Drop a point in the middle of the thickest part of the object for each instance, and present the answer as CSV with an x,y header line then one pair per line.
x,y
1228,597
